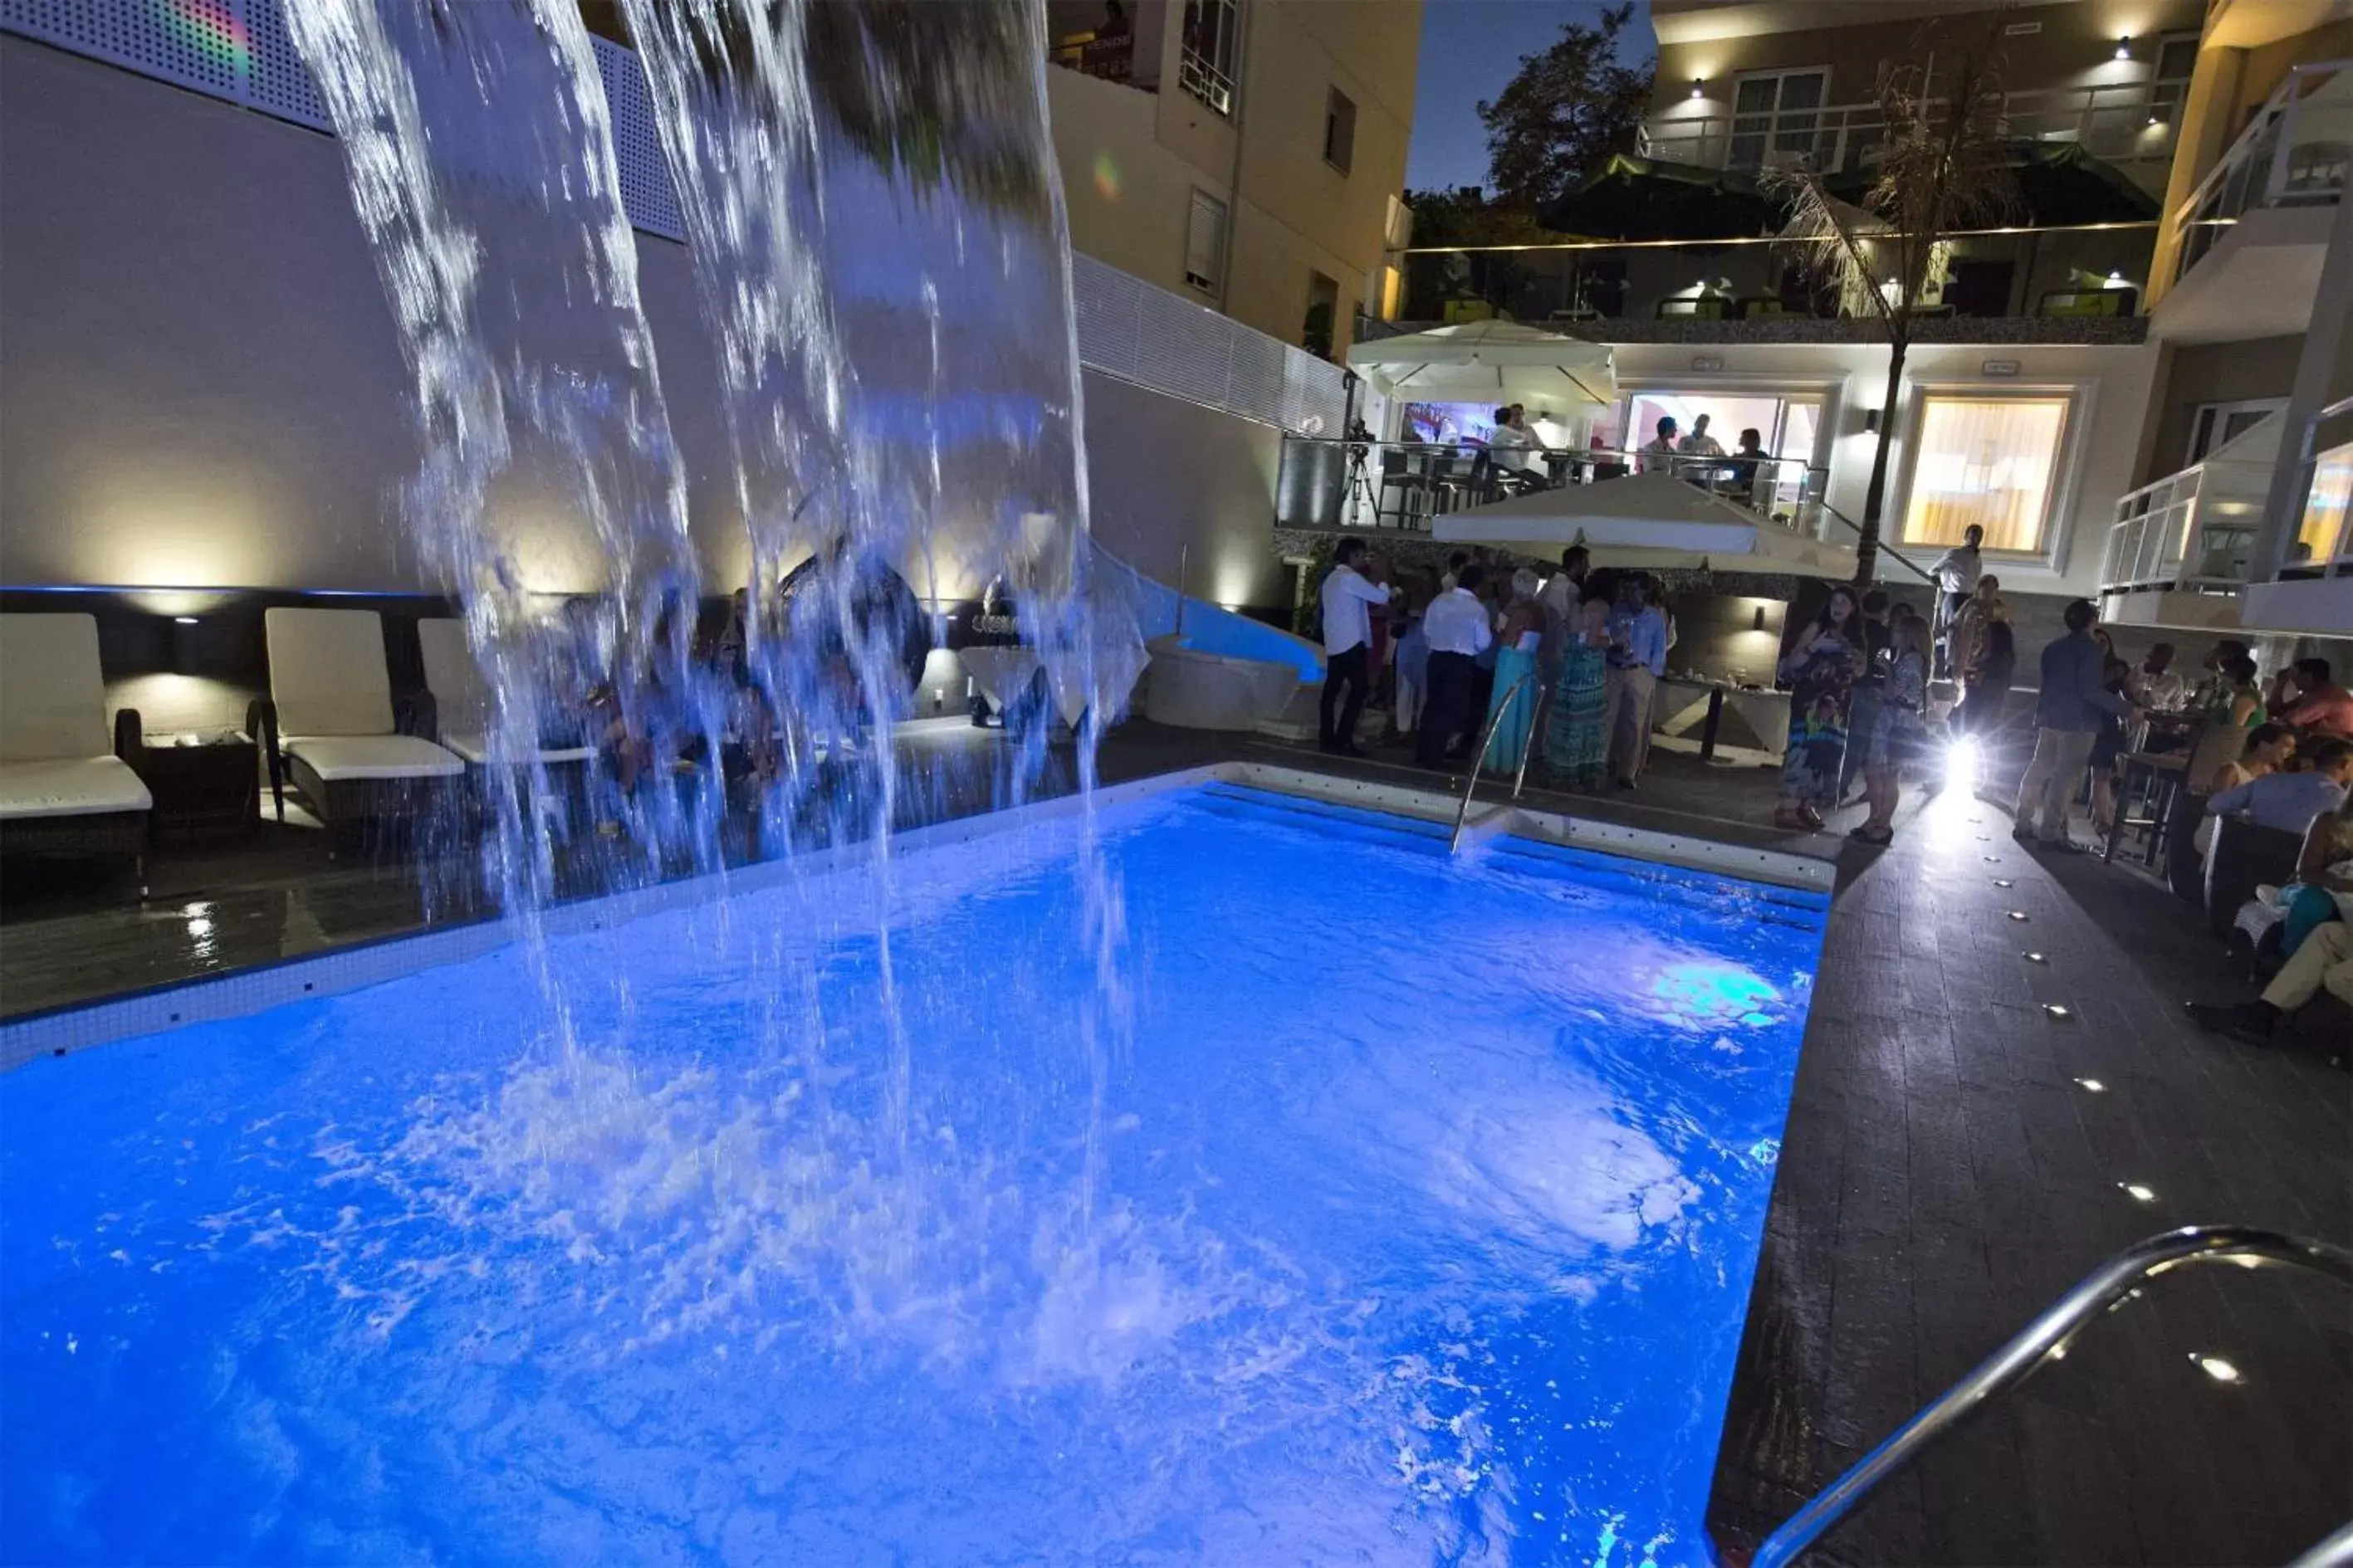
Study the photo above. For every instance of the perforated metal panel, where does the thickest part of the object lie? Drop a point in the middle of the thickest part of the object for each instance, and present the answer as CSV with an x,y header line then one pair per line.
x,y
280,83
1156,339
202,45
646,191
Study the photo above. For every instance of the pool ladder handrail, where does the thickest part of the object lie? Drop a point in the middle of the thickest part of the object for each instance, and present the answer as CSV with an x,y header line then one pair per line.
x,y
2045,1339
1487,739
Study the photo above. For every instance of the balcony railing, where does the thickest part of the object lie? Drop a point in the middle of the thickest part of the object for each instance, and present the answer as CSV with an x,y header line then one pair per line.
x,y
1110,57
2293,152
1408,484
2323,543
2129,123
2086,270
2189,531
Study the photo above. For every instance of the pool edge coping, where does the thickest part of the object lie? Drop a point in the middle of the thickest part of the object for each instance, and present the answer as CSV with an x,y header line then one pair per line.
x,y
260,988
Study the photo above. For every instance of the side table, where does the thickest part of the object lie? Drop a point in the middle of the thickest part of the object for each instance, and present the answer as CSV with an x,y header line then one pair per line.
x,y
205,787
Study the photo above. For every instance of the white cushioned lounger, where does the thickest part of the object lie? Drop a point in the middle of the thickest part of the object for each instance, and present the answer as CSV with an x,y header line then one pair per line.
x,y
56,756
462,706
334,696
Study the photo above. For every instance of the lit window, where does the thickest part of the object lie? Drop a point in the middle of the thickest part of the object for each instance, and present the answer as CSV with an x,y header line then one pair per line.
x,y
1205,243
1340,131
1987,462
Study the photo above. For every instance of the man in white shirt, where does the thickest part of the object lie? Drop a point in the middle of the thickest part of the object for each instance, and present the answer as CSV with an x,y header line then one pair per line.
x,y
1699,443
1956,573
1658,456
1348,645
1459,630
1508,443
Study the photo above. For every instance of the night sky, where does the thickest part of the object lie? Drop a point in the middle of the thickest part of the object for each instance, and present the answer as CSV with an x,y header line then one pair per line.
x,y
1469,50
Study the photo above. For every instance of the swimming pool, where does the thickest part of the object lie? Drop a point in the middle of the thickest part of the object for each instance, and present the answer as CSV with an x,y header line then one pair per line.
x,y
1410,1218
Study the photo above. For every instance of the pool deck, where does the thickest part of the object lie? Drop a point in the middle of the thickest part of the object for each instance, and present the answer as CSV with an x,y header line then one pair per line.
x,y
1945,1175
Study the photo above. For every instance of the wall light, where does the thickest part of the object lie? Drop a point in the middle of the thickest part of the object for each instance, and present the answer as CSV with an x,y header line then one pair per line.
x,y
184,620
1698,82
1759,623
2123,48
2116,279
1871,421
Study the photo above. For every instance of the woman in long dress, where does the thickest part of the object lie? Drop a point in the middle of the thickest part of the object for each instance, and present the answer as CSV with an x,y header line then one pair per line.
x,y
1820,670
1577,739
1513,707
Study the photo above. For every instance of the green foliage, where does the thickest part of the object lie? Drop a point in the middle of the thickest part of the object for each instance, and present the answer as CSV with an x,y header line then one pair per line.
x,y
1466,217
1566,111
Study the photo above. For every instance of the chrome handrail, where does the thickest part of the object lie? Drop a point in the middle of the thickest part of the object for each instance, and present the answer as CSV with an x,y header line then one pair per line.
x,y
2046,1340
1536,722
1487,739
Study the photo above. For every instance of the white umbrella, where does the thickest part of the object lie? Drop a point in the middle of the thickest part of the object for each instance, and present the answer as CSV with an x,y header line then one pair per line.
x,y
1487,362
1649,520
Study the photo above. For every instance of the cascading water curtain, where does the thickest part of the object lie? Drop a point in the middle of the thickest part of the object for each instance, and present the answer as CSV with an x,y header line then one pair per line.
x,y
550,499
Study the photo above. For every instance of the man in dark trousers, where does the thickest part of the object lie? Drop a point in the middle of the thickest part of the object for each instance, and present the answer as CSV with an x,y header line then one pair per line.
x,y
1349,595
1458,628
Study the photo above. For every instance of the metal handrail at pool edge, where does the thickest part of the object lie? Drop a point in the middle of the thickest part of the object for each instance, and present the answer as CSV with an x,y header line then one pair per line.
x,y
2046,1340
1487,739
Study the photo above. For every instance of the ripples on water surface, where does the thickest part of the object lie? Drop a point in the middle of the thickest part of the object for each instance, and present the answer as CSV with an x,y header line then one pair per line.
x,y
1431,1196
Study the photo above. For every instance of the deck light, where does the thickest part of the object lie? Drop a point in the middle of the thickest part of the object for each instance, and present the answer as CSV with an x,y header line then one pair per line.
x,y
2123,48
184,620
2003,882
2138,1193
2057,1011
2215,1367
2033,958
1696,83
2018,915
2093,1086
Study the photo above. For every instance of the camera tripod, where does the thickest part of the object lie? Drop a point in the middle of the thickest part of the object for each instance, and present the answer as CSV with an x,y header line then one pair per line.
x,y
1360,489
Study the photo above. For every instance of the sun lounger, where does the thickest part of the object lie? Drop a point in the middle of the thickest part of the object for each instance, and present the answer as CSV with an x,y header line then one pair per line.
x,y
65,788
329,724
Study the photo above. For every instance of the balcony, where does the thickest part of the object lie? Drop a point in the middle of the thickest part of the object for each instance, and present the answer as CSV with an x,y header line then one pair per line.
x,y
2293,154
2047,285
2132,124
2181,551
1088,37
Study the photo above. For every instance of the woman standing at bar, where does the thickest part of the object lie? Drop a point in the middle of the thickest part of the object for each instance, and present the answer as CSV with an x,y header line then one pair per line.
x,y
1820,670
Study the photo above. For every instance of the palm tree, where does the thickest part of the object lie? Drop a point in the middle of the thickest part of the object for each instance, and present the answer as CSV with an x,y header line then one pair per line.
x,y
1941,169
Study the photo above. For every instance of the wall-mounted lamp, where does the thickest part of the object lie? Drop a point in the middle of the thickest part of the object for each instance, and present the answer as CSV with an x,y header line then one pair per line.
x,y
1758,624
2123,48
2116,279
1871,421
1697,83
2156,117
184,620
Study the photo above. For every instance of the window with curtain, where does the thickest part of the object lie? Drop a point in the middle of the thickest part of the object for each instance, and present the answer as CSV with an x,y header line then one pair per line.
x,y
1990,462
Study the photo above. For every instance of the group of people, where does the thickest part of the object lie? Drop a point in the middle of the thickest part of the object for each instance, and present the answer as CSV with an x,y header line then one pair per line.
x,y
1482,646
1701,458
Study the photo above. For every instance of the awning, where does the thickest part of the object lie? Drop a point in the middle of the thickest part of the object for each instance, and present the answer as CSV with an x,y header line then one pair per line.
x,y
1654,520
1488,362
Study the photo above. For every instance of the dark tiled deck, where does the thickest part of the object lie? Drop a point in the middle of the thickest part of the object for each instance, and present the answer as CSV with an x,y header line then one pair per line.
x,y
1944,1174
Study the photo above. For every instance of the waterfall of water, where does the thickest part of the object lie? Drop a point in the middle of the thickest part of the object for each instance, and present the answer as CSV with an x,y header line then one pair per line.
x,y
512,273
875,223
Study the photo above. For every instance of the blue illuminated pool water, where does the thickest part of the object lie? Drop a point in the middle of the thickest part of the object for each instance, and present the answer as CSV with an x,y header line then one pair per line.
x,y
1430,1193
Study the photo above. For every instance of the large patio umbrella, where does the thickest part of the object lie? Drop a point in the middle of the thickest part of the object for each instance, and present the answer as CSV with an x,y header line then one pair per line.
x,y
1631,197
1487,362
1653,521
2058,183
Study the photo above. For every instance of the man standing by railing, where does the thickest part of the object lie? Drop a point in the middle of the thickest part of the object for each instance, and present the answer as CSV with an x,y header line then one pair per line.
x,y
1956,573
1347,645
